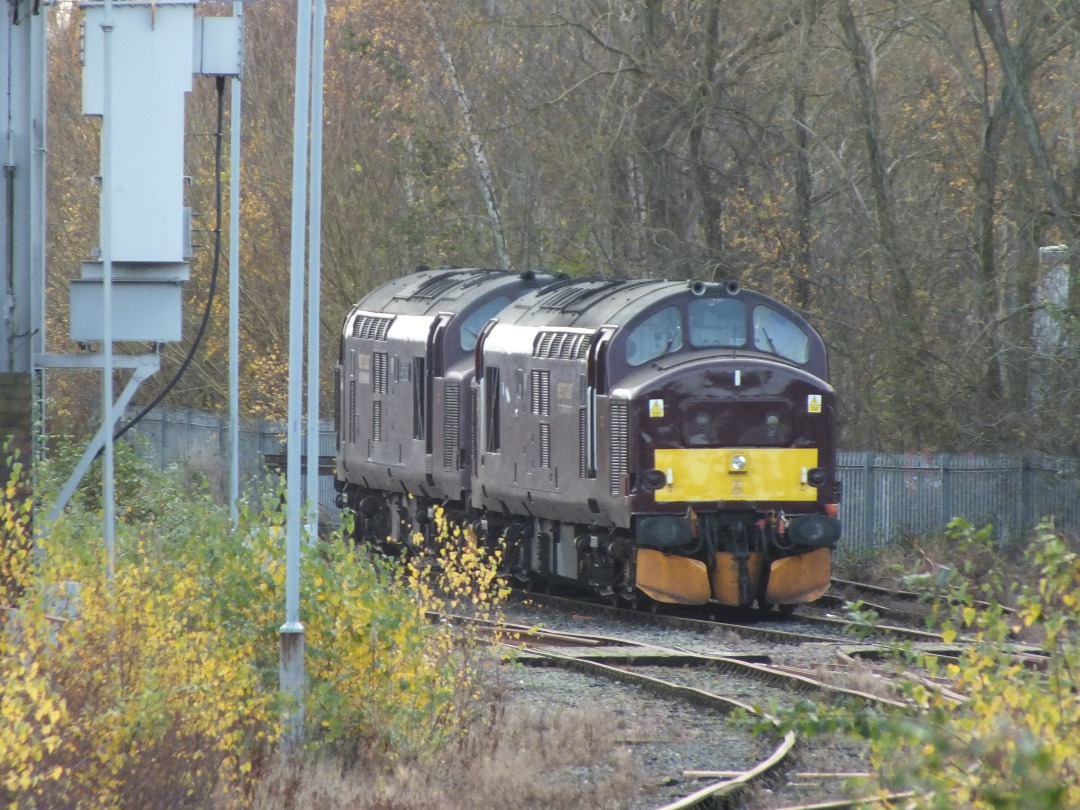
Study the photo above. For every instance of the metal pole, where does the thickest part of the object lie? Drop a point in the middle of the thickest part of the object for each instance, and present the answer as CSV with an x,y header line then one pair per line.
x,y
234,289
292,632
39,119
314,272
108,494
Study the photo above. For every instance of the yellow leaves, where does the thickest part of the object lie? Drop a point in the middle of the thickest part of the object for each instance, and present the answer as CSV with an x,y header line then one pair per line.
x,y
1031,614
948,633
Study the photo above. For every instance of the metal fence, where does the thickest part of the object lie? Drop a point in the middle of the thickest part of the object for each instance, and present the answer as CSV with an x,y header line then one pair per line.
x,y
886,497
200,442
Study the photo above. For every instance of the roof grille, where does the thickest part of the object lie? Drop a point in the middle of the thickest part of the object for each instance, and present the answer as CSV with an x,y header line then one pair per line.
x,y
438,286
573,298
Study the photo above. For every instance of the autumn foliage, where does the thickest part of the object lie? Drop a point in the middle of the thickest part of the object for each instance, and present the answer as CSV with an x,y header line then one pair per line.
x,y
160,687
1011,742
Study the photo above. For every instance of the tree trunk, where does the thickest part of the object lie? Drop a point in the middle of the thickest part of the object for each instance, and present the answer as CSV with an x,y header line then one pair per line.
x,y
483,169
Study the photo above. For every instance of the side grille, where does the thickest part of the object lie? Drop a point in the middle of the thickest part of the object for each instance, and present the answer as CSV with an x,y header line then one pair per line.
x,y
451,424
475,431
380,376
371,327
554,345
492,409
583,446
337,400
376,420
540,392
545,444
619,449
420,403
352,411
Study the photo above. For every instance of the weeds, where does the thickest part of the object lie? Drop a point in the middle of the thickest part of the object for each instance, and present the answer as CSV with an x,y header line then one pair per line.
x,y
162,690
1013,742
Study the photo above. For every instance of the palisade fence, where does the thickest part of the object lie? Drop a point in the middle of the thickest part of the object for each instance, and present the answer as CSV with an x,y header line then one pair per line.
x,y
886,496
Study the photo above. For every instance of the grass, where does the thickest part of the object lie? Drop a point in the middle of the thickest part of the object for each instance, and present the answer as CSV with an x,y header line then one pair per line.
x,y
521,756
162,691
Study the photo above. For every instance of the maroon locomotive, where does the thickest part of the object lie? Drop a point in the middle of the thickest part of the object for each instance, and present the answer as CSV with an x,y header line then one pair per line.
x,y
636,437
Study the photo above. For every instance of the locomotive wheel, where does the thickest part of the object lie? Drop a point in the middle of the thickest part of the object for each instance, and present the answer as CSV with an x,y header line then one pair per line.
x,y
650,605
766,607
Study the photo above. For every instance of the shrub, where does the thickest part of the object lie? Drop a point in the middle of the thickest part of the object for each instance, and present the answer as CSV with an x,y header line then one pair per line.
x,y
162,688
1013,743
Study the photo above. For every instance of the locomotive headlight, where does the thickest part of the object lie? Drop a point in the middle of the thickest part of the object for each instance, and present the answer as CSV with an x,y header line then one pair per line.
x,y
738,462
653,480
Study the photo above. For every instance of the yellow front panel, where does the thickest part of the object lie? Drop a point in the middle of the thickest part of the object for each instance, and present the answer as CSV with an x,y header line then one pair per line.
x,y
708,474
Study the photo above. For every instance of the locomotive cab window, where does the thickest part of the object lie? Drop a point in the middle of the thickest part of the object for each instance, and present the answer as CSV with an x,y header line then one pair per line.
x,y
717,322
470,329
776,334
657,335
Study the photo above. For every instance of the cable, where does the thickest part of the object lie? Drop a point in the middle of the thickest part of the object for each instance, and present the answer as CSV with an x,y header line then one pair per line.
x,y
213,275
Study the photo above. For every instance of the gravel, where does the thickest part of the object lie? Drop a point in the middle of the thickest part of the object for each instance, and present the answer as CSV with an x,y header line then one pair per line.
x,y
654,740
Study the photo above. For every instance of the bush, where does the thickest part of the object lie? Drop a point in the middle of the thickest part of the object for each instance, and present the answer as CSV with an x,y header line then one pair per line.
x,y
1013,743
161,689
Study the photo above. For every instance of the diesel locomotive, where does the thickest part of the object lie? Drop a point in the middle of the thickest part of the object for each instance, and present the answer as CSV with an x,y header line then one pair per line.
x,y
641,438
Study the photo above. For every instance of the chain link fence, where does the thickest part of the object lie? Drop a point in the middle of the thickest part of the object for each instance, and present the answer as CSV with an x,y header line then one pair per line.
x,y
886,496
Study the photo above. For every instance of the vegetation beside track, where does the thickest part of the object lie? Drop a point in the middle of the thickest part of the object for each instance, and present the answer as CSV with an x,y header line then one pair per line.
x,y
163,689
1013,743
160,688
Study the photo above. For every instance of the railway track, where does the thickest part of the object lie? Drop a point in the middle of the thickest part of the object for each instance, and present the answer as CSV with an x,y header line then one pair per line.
x,y
675,673
899,595
726,786
537,645
756,627
674,664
